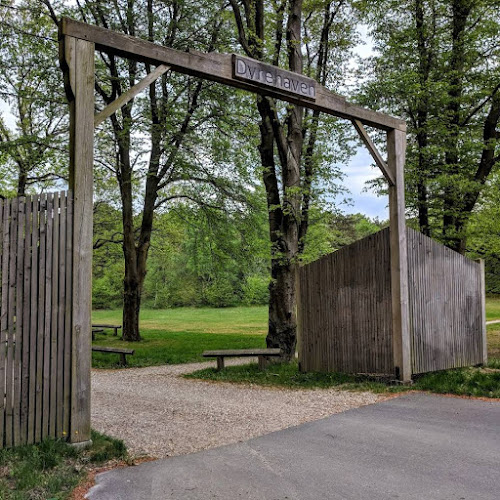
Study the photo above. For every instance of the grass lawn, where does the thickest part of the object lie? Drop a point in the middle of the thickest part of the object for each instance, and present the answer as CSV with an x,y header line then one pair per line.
x,y
175,336
51,469
492,308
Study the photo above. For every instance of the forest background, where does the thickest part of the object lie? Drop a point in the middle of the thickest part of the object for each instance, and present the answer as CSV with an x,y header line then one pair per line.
x,y
185,153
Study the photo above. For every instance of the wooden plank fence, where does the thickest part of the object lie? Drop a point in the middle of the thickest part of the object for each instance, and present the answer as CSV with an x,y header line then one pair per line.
x,y
346,311
35,326
446,313
345,308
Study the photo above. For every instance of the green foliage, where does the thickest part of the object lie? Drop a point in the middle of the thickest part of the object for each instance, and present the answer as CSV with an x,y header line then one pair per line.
x,y
34,135
483,241
201,257
255,290
51,469
464,382
331,231
437,64
220,293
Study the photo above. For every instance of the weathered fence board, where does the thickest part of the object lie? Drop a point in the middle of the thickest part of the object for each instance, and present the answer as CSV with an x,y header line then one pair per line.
x,y
35,283
5,306
345,308
446,316
346,312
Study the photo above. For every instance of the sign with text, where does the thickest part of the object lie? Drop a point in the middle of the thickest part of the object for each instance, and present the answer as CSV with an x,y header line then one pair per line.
x,y
272,76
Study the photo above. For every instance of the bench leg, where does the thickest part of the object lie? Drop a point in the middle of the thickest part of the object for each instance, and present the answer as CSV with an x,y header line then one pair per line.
x,y
123,358
263,362
220,363
116,332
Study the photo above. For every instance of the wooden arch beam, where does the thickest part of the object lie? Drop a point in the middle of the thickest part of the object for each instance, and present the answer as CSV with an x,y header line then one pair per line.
x,y
220,68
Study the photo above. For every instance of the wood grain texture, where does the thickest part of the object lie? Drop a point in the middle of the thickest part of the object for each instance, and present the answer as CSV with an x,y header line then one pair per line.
x,y
61,304
33,340
372,149
68,296
54,372
18,338
39,332
25,361
81,66
33,332
446,313
130,94
5,305
484,342
345,300
219,68
396,147
11,328
49,225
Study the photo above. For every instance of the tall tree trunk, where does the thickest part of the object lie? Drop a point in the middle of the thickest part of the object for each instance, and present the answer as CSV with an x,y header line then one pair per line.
x,y
425,60
288,200
131,280
452,196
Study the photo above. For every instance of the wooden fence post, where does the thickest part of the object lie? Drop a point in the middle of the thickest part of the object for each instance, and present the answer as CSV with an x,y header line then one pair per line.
x,y
482,281
396,147
78,63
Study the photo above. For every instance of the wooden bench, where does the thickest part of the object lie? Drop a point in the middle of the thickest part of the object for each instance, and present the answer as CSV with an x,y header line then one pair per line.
x,y
117,350
262,354
108,327
96,330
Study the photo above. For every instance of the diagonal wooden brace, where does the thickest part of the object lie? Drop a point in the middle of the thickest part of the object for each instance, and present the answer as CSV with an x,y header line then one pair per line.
x,y
386,170
131,93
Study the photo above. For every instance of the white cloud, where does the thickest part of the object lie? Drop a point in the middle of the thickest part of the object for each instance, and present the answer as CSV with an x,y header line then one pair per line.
x,y
358,172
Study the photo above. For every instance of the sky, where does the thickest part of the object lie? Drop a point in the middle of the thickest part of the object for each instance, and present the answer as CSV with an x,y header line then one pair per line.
x,y
359,169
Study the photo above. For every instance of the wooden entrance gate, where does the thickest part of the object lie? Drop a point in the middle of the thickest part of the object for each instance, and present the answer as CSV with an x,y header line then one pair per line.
x,y
35,327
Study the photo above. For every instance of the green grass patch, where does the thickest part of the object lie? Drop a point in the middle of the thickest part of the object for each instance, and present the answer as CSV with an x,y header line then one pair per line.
x,y
492,308
181,335
463,381
288,375
51,470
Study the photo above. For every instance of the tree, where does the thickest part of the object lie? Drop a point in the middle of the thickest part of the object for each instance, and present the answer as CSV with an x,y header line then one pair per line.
x,y
438,65
178,162
277,33
34,146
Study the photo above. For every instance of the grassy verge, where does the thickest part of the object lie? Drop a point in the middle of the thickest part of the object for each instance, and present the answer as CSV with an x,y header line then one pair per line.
x,y
463,381
492,308
51,470
181,335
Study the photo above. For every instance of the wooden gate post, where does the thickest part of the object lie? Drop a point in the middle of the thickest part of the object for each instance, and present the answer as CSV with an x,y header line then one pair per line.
x,y
396,148
78,64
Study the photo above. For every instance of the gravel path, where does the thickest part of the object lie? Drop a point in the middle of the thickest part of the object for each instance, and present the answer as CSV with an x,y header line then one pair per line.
x,y
160,414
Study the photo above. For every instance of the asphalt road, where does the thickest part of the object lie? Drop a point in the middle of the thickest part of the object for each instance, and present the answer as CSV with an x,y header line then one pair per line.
x,y
413,447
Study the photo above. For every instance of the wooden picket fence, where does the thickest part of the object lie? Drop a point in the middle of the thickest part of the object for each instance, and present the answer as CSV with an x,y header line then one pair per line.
x,y
35,325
